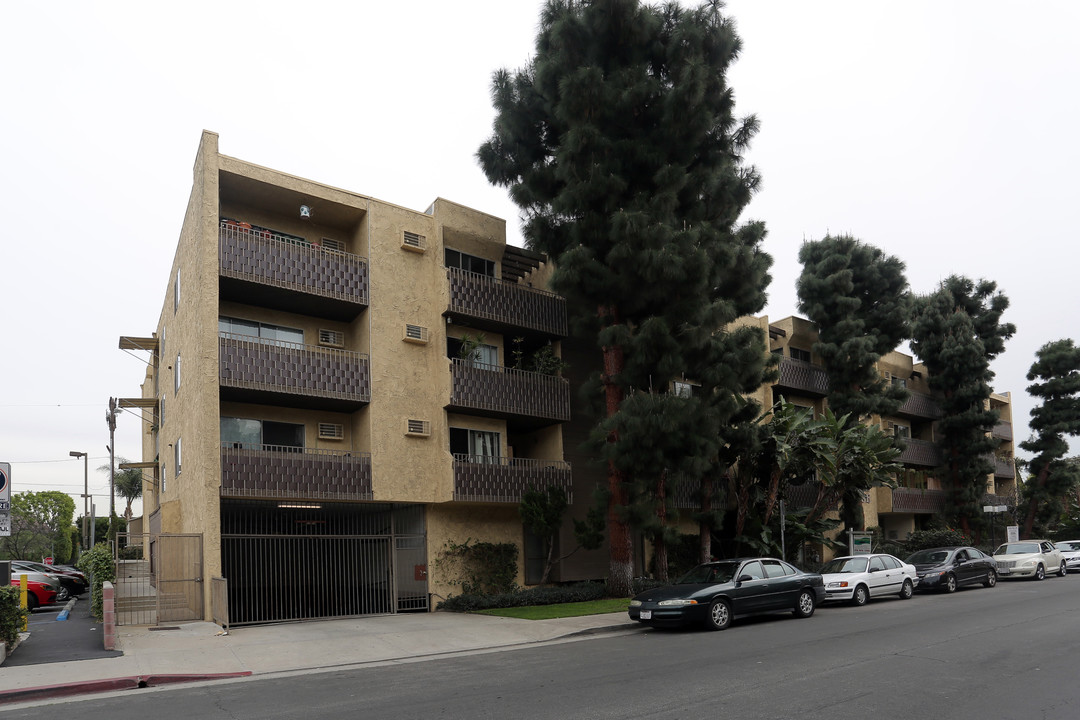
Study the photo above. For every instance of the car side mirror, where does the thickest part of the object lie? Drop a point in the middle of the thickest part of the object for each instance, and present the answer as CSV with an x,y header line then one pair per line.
x,y
745,578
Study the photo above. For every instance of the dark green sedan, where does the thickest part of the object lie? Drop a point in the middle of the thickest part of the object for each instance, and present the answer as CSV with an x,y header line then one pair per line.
x,y
715,593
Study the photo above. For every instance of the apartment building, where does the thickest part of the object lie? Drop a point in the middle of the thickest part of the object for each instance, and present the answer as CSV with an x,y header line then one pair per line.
x,y
336,389
919,494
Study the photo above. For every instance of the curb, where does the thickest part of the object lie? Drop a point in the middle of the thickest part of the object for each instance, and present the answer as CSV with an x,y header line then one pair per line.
x,y
122,683
66,611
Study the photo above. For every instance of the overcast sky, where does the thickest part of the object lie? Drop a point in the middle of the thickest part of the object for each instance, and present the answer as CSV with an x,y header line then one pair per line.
x,y
943,133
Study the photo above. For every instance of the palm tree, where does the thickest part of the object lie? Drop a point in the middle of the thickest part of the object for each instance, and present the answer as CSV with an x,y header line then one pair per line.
x,y
127,483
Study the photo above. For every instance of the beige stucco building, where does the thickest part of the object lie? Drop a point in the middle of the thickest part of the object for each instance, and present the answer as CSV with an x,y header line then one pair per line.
x,y
336,390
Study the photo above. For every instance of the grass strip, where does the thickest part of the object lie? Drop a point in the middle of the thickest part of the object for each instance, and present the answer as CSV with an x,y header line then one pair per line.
x,y
561,610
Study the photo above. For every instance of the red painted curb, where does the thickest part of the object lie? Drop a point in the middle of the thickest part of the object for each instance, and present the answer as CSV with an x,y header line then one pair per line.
x,y
93,686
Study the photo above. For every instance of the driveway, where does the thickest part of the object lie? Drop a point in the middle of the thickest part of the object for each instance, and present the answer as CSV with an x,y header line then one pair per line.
x,y
80,637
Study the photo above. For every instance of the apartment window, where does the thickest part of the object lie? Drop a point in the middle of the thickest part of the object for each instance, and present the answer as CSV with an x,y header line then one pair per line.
x,y
176,291
176,375
799,354
682,389
478,445
177,455
901,382
257,434
481,354
902,432
264,332
469,263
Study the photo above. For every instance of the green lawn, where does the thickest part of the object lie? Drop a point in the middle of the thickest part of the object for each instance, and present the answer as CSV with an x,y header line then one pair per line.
x,y
547,612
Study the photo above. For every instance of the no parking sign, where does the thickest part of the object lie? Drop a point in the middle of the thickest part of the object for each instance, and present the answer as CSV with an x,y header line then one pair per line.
x,y
5,499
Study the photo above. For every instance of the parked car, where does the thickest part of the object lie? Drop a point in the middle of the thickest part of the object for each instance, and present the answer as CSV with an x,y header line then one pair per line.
x,y
1070,550
48,578
947,568
857,578
1029,558
37,593
715,593
73,581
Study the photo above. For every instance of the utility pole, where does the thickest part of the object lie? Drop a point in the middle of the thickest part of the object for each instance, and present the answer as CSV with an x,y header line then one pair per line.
x,y
86,494
110,419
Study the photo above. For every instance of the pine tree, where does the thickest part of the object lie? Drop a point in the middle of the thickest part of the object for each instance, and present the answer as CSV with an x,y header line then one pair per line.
x,y
1056,371
619,144
957,332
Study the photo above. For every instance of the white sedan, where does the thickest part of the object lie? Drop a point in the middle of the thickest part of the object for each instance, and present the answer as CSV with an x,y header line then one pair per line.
x,y
857,578
1070,550
1029,558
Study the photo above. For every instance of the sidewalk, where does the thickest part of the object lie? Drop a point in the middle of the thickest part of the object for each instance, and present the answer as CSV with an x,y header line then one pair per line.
x,y
198,651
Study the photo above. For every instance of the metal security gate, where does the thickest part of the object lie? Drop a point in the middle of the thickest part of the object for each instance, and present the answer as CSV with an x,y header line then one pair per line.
x,y
158,578
293,560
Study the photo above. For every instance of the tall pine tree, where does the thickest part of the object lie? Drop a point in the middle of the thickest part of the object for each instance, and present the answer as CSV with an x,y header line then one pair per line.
x,y
1056,372
619,144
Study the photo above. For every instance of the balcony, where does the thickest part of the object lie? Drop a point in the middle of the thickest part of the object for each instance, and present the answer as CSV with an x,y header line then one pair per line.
x,y
273,471
921,452
478,388
919,405
1004,468
504,480
803,377
997,500
1003,431
503,306
803,497
910,500
290,374
261,267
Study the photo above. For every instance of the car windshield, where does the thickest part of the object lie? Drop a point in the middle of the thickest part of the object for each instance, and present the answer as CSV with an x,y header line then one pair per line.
x,y
845,565
710,573
1017,548
1068,545
926,557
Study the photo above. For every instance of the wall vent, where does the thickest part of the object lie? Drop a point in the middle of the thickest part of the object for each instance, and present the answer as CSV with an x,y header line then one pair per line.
x,y
331,431
416,334
414,242
417,428
331,338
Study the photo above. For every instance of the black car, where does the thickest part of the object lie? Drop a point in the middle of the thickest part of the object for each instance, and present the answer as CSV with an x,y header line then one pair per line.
x,y
716,592
947,568
71,580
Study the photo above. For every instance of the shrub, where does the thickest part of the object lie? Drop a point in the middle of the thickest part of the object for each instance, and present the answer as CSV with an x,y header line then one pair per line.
x,y
12,616
542,595
480,568
944,537
97,563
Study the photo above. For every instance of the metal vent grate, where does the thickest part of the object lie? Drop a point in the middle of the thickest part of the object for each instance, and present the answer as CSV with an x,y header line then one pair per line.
x,y
332,338
413,241
331,431
416,334
417,428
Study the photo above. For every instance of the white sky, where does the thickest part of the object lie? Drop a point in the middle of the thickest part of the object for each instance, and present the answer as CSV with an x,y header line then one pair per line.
x,y
944,133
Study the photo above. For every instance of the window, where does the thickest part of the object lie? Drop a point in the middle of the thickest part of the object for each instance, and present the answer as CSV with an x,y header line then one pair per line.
x,y
682,389
261,434
176,375
176,292
900,382
478,445
481,354
176,457
891,563
799,354
902,432
876,564
469,263
264,332
754,570
775,569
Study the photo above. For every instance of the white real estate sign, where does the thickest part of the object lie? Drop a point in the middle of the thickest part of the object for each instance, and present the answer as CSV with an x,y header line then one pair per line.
x,y
5,499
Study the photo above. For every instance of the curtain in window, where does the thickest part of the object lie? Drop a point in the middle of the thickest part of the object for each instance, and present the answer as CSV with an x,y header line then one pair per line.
x,y
485,445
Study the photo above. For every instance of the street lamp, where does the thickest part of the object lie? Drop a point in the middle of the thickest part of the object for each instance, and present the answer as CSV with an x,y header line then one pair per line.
x,y
86,493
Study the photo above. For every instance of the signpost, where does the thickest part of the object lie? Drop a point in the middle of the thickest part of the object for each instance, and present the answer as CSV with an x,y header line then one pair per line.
x,y
5,499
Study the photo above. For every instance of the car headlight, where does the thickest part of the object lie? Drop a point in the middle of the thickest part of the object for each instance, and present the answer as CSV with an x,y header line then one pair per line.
x,y
838,584
681,602
1028,563
635,603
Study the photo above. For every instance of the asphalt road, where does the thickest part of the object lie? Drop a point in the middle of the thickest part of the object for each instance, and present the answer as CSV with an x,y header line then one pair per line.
x,y
986,654
80,637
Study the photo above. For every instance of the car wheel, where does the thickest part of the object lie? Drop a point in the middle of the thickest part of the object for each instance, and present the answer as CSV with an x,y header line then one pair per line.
x,y
719,615
950,583
31,601
1040,572
1063,571
991,578
804,605
907,590
860,596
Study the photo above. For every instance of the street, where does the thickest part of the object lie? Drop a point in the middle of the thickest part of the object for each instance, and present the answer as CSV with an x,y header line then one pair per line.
x,y
999,653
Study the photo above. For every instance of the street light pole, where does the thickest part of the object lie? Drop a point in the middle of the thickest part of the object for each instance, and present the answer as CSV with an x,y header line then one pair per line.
x,y
86,494
110,418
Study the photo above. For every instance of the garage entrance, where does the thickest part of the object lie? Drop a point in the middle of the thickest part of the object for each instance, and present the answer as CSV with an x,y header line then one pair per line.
x,y
299,560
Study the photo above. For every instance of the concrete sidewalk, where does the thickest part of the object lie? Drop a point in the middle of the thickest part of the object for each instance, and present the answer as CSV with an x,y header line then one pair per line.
x,y
199,651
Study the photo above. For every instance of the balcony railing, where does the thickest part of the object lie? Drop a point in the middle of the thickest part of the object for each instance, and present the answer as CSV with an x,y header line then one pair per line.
x,y
267,258
920,405
275,471
508,392
802,497
998,500
479,478
1004,468
803,376
1003,431
293,369
500,304
910,500
920,452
